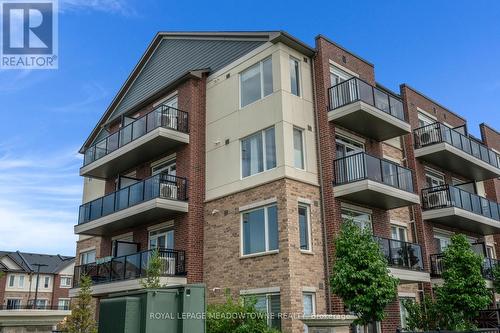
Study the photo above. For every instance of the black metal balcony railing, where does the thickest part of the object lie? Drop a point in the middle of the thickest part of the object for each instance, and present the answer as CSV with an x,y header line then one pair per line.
x,y
450,196
162,116
355,89
362,166
438,267
438,133
161,185
132,266
401,254
33,307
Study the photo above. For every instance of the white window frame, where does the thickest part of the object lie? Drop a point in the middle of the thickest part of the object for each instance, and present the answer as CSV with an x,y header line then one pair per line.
x,y
348,142
18,300
64,300
303,139
425,118
84,254
268,304
353,210
266,232
161,232
299,75
166,163
435,175
340,73
308,216
398,227
46,282
402,309
66,278
264,155
20,281
261,69
12,281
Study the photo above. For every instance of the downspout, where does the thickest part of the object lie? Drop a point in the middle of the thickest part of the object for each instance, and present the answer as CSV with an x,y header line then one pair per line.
x,y
321,194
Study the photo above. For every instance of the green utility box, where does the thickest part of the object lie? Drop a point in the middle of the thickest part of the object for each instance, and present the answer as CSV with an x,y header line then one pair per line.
x,y
168,310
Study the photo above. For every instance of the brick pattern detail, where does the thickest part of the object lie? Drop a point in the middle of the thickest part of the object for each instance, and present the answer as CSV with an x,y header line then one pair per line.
x,y
290,269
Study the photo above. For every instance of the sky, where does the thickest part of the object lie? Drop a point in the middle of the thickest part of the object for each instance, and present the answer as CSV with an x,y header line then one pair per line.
x,y
449,50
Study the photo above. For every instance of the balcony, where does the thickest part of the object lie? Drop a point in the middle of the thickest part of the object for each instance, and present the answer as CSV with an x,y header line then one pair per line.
x,y
451,150
362,108
454,207
368,180
140,141
437,266
148,200
404,259
124,273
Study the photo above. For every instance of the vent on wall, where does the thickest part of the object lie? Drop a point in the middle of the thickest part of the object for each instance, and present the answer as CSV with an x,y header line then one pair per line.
x,y
344,59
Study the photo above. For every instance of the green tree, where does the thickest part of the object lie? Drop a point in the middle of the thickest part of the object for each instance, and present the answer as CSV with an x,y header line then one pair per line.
x,y
424,316
153,271
236,317
82,318
361,275
464,291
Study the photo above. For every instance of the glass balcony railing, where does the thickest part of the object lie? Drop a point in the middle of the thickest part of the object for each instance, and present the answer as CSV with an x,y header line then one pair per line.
x,y
438,133
401,254
355,89
451,196
163,116
438,267
161,185
362,166
132,266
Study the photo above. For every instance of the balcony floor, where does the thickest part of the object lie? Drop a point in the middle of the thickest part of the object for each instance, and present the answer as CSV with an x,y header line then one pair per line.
x,y
144,148
453,159
365,119
135,215
127,285
374,194
462,219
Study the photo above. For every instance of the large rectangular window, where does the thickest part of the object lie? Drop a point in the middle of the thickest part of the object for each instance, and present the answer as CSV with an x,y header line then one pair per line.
x,y
256,82
271,305
87,257
66,282
361,219
298,148
295,76
260,230
305,243
258,152
13,303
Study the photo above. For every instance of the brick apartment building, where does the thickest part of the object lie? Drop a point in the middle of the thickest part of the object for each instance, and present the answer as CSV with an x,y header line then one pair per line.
x,y
238,155
23,305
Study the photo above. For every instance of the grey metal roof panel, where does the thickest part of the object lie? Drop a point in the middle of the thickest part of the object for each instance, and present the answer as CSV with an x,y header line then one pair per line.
x,y
174,57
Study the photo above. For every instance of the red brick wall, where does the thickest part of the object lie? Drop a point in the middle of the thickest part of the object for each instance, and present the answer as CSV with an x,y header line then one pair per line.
x,y
57,291
3,282
327,51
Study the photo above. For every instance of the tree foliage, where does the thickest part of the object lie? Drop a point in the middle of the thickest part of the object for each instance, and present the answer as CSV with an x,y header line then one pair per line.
x,y
82,318
236,317
153,271
361,275
463,293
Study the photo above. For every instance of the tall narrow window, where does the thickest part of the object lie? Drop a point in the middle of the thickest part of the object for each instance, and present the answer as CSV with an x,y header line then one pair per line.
x,y
12,279
46,282
258,152
256,82
304,228
295,76
260,230
398,233
298,148
308,303
21,281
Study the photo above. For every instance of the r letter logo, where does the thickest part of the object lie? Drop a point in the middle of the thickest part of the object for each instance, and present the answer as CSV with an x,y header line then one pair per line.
x,y
29,34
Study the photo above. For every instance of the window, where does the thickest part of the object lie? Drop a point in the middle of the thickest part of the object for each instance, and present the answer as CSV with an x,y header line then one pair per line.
x,y
298,148
46,282
490,252
308,300
66,282
168,166
424,120
258,152
63,304
256,82
361,219
20,282
12,280
305,238
337,76
13,303
161,239
434,178
260,230
403,312
40,303
295,76
346,147
269,304
399,233
442,241
87,257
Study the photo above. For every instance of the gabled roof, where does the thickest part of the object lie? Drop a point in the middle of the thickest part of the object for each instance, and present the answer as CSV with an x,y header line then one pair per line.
x,y
174,56
27,261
